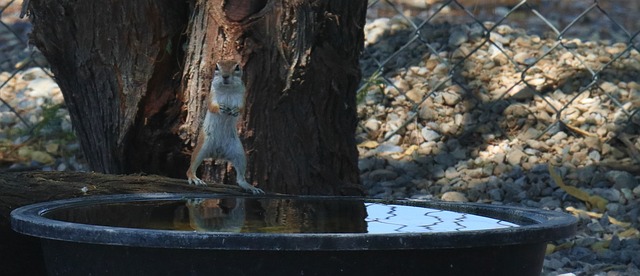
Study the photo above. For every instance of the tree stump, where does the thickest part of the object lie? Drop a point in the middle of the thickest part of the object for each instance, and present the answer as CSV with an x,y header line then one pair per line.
x,y
134,75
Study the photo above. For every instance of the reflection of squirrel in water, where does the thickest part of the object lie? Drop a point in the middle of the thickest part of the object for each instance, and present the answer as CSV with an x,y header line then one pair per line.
x,y
217,215
218,137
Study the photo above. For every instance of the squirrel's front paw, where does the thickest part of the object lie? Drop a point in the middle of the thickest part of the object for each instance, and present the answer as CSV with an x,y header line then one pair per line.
x,y
233,111
192,202
250,188
214,107
197,181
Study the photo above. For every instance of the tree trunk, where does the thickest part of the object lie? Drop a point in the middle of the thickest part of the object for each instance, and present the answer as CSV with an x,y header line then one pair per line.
x,y
119,65
311,105
301,72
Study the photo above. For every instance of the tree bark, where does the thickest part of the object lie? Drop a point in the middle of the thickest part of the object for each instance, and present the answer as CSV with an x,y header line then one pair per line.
x,y
301,72
310,103
118,65
136,98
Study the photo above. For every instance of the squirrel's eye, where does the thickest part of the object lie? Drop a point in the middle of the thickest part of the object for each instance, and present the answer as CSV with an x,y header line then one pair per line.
x,y
217,67
237,68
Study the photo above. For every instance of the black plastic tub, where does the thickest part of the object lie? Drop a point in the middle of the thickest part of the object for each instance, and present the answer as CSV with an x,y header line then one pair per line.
x,y
208,234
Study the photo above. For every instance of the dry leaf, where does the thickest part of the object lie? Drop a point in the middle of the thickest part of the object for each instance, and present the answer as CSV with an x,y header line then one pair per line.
x,y
600,245
550,249
52,148
612,220
42,157
369,144
25,152
580,131
590,200
631,232
411,150
553,248
619,223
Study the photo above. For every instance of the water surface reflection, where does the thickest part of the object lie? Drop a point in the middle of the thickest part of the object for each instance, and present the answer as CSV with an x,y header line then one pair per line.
x,y
275,215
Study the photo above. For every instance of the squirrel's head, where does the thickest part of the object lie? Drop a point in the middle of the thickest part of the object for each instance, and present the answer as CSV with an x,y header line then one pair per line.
x,y
227,72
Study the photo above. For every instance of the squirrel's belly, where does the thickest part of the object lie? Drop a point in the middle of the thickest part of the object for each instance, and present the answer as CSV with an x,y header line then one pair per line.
x,y
220,131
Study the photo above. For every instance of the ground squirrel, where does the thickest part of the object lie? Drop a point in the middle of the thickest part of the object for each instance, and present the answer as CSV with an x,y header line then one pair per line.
x,y
218,137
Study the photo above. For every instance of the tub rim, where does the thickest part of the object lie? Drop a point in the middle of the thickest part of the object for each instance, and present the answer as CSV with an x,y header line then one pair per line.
x,y
544,226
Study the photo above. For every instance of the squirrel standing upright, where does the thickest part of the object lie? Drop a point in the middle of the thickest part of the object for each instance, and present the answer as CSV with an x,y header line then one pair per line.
x,y
218,137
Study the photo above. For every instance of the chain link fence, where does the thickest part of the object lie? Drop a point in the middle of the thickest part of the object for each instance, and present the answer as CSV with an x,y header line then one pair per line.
x,y
474,70
485,71
14,57
35,128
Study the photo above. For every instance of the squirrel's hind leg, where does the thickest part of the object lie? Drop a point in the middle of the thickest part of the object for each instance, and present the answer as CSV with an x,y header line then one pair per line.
x,y
239,161
197,156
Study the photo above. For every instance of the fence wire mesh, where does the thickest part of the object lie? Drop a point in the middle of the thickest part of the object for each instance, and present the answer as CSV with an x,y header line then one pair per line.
x,y
474,70
495,73
35,128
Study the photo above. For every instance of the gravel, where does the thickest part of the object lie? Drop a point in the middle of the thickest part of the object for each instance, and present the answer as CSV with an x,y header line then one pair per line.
x,y
479,122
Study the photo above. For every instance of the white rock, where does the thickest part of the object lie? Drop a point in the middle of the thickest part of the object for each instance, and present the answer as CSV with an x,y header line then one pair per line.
x,y
514,156
372,124
8,117
388,148
451,173
415,95
454,196
457,38
33,73
529,134
521,57
430,135
41,87
427,113
559,136
450,98
395,139
594,155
